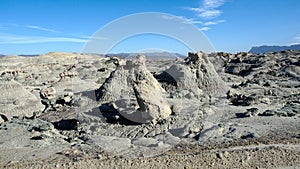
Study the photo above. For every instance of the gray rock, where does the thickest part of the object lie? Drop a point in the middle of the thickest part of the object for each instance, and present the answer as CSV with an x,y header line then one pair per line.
x,y
39,125
292,71
249,136
268,113
66,98
249,113
241,99
290,109
48,93
1,120
197,75
238,69
15,100
69,73
134,93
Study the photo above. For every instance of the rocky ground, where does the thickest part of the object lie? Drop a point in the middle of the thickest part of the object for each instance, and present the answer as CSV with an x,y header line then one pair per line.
x,y
205,111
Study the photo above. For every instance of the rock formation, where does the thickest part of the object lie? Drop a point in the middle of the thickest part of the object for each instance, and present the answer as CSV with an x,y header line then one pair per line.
x,y
17,101
262,106
48,93
134,92
197,76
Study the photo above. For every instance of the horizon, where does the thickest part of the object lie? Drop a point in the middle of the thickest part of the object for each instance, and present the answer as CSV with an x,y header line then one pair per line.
x,y
232,26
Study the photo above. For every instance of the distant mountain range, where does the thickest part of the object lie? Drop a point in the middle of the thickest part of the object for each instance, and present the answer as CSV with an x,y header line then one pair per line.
x,y
29,55
21,55
152,55
264,49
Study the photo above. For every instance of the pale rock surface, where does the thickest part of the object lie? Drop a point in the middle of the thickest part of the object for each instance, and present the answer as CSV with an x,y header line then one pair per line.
x,y
15,100
135,93
48,93
197,75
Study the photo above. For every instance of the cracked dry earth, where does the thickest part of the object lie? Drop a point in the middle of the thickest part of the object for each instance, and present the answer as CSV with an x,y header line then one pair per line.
x,y
227,111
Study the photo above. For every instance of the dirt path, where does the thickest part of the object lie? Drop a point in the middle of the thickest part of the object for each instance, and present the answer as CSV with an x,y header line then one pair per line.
x,y
247,154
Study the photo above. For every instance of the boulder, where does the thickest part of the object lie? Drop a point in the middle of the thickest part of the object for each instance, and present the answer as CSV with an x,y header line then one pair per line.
x,y
292,71
134,93
15,100
197,75
48,93
240,99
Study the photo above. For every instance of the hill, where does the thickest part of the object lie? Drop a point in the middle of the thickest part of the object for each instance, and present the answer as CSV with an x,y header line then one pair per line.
x,y
265,48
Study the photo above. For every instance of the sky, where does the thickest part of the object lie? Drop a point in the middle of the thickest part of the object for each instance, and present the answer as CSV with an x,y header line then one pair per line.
x,y
42,26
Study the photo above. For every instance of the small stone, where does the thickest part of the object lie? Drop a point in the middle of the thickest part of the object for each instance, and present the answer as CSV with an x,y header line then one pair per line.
x,y
267,113
176,109
160,144
69,73
3,118
220,155
48,93
102,70
249,113
249,136
68,124
67,99
16,102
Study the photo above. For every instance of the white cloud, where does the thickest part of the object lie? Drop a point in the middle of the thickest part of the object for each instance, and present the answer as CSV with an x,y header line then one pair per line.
x,y
13,39
212,3
13,25
193,21
213,22
210,14
40,28
204,28
185,20
208,9
195,9
92,37
295,40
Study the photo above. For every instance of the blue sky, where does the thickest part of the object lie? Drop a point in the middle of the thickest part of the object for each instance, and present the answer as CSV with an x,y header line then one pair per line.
x,y
41,26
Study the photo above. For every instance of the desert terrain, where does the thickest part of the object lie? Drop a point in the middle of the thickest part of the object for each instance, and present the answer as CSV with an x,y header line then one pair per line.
x,y
218,110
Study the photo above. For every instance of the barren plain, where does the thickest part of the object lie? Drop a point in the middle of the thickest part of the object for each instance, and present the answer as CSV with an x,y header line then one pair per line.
x,y
218,110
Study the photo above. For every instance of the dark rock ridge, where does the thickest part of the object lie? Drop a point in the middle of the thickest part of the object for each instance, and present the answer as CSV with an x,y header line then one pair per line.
x,y
265,48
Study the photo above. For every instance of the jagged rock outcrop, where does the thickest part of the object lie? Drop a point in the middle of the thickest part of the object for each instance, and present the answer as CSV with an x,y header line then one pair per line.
x,y
69,73
134,93
197,76
15,100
